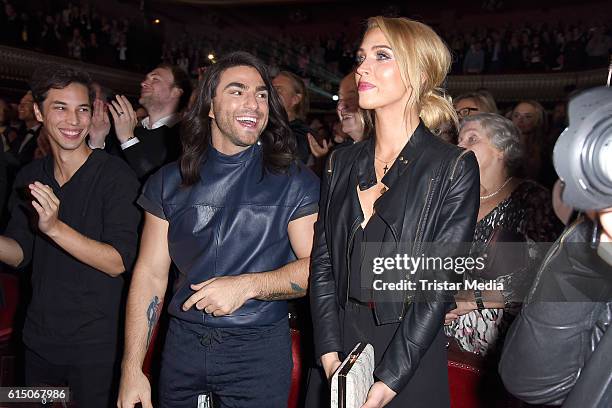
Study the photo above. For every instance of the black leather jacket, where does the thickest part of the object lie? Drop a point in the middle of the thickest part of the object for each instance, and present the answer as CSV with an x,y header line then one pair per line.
x,y
432,197
549,354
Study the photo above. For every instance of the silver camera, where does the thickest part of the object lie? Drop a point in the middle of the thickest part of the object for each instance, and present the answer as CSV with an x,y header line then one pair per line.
x,y
583,153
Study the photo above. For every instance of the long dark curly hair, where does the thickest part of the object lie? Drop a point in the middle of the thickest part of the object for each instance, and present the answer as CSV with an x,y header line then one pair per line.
x,y
277,140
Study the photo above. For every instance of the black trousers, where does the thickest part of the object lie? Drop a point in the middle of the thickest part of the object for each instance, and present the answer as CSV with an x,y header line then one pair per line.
x,y
243,367
90,385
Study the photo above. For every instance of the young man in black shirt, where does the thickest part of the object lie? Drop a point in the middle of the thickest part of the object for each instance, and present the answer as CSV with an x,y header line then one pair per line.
x,y
73,217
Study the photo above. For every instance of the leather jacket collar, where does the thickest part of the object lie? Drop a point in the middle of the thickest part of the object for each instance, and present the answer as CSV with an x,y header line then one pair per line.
x,y
411,151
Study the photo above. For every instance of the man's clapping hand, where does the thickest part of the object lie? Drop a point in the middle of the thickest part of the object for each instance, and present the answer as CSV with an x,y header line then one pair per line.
x,y
124,118
100,124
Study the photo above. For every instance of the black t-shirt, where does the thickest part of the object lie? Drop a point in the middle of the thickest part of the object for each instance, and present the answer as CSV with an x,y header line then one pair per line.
x,y
74,312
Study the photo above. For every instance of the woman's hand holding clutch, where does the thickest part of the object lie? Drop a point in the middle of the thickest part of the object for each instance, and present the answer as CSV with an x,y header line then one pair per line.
x,y
330,362
379,395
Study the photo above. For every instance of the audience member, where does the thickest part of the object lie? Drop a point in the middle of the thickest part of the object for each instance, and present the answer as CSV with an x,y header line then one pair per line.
x,y
352,122
472,103
473,62
21,149
511,210
164,94
85,238
530,118
294,95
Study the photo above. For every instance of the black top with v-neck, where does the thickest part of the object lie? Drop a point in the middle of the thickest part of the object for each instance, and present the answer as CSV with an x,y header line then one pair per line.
x,y
366,245
74,312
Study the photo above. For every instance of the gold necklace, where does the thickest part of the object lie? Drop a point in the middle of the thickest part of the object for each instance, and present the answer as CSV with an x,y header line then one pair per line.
x,y
383,190
386,168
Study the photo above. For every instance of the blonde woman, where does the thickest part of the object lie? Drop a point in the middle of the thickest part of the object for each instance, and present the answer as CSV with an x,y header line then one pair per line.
x,y
473,103
395,192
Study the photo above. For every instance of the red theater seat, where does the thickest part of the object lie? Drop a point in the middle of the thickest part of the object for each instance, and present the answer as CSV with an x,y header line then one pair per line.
x,y
9,299
296,373
463,381
153,353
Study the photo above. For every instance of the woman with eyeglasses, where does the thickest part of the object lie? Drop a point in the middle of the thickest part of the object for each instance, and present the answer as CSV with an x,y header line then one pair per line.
x,y
393,193
473,103
514,216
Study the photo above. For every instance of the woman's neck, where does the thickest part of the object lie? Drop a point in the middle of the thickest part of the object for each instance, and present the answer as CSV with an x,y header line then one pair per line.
x,y
491,181
390,139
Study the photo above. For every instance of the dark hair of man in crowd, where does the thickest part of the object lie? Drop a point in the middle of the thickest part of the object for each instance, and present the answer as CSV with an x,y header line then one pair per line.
x,y
181,81
277,140
299,87
58,77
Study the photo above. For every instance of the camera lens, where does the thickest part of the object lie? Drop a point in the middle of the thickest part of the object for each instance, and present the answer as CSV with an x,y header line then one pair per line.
x,y
583,152
604,160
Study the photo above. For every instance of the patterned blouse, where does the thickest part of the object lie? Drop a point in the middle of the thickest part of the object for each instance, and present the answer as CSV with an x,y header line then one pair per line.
x,y
526,213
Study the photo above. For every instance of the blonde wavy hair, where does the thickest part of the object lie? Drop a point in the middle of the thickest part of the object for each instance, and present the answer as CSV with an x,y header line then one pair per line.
x,y
424,61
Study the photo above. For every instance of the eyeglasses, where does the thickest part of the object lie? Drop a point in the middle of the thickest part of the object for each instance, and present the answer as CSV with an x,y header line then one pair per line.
x,y
462,113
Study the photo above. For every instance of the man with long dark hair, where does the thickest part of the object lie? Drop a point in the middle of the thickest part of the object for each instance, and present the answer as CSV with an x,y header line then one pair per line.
x,y
236,216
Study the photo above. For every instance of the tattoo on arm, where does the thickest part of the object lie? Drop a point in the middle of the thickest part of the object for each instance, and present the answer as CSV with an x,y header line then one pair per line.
x,y
153,312
297,288
296,292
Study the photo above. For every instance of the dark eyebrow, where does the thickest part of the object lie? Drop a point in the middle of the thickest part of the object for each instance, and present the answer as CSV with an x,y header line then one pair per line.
x,y
65,104
235,85
244,87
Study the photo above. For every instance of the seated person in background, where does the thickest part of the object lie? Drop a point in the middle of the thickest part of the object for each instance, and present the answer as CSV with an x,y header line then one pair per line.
x,y
294,95
82,238
530,118
164,94
352,120
7,132
21,149
472,103
511,210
